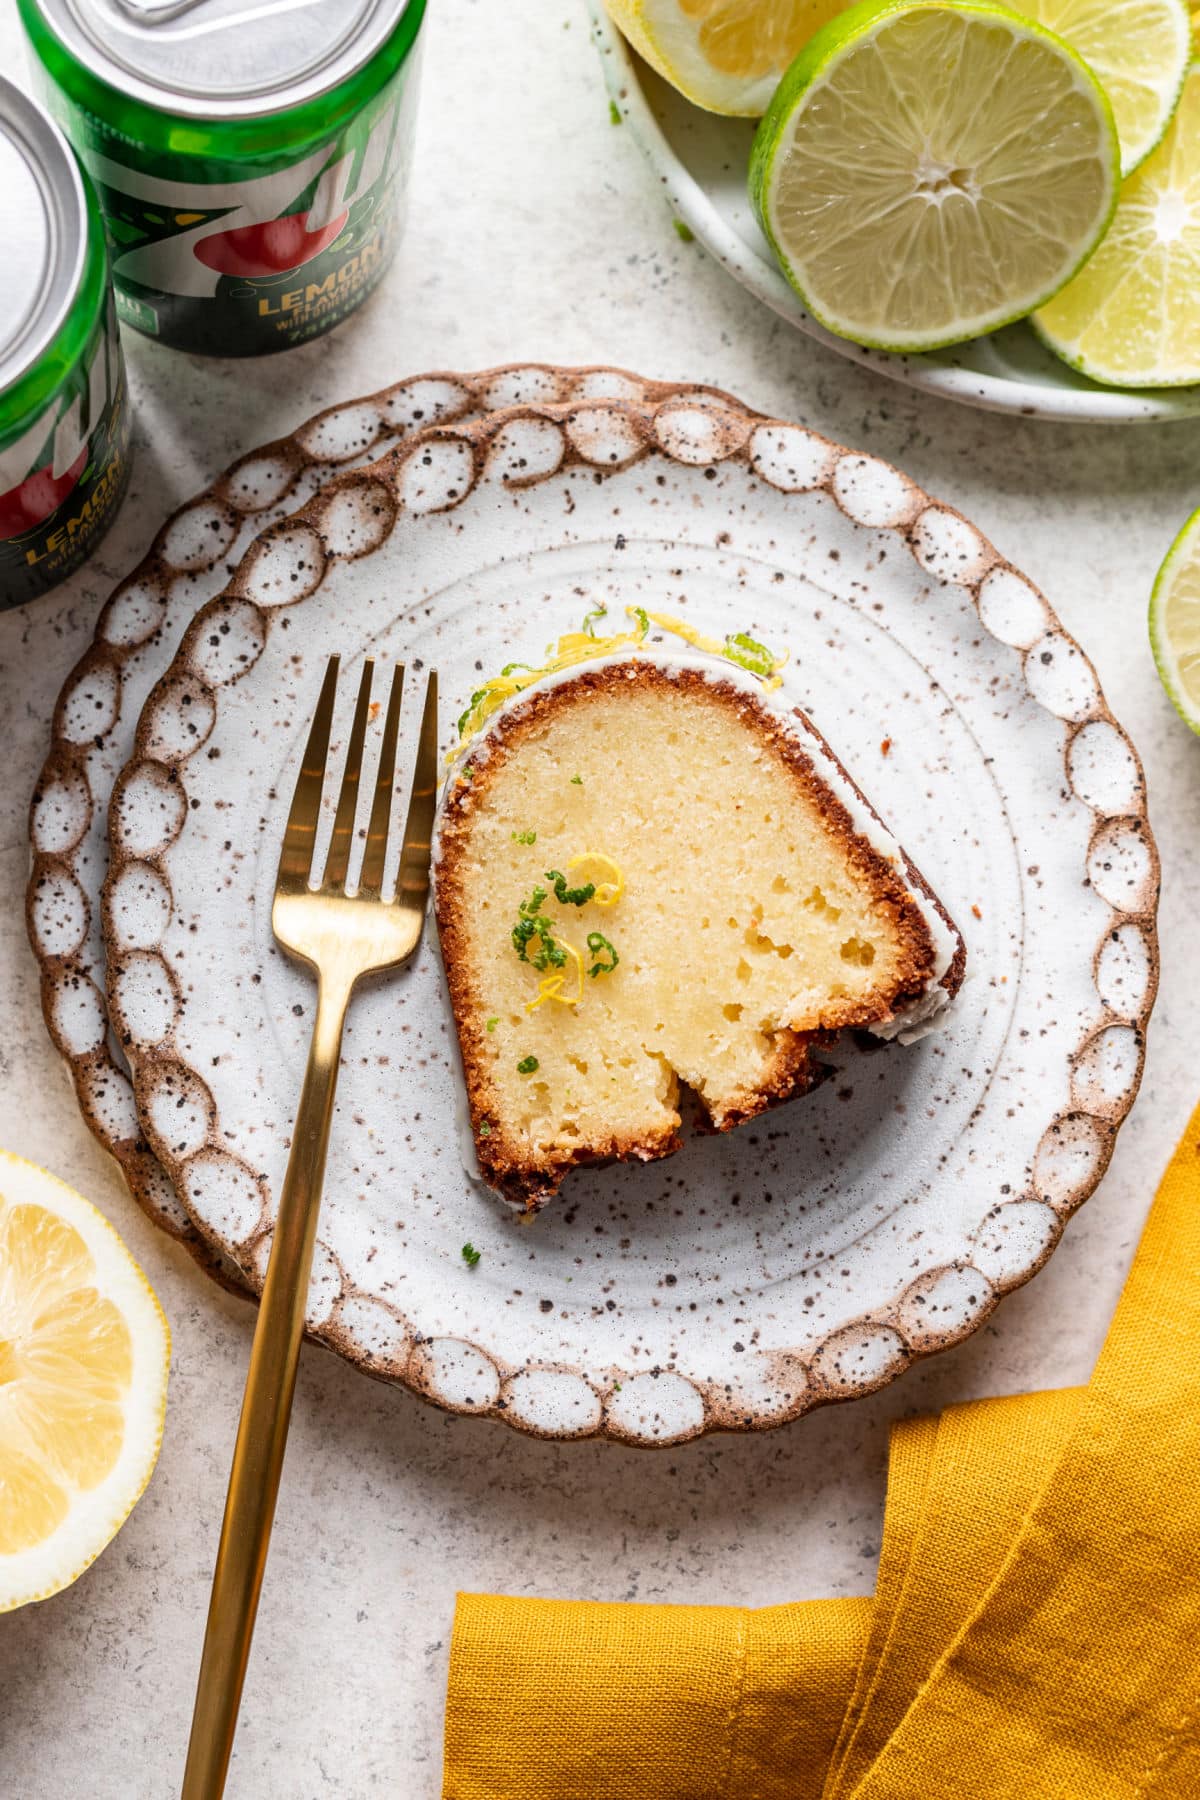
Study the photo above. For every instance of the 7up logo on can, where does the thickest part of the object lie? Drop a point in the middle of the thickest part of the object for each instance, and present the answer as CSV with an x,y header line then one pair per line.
x,y
251,159
62,477
235,264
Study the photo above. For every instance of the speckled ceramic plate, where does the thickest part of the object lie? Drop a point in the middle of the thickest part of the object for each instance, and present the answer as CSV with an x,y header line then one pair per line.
x,y
701,161
806,1258
135,637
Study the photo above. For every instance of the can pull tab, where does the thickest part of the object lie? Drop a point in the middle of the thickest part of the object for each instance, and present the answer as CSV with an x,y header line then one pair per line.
x,y
151,11
157,12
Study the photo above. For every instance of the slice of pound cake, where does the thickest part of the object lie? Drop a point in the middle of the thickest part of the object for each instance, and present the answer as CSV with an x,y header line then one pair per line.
x,y
647,875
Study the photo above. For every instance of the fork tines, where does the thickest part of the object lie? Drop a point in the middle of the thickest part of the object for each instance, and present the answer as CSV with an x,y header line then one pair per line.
x,y
299,840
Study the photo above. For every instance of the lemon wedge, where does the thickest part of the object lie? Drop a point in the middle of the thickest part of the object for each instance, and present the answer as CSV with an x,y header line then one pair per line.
x,y
724,55
84,1352
1131,317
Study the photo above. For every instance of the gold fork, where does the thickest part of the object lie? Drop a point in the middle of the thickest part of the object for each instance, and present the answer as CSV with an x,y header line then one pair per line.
x,y
342,937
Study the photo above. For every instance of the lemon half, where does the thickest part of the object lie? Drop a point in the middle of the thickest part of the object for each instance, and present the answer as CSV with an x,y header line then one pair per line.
x,y
725,55
84,1353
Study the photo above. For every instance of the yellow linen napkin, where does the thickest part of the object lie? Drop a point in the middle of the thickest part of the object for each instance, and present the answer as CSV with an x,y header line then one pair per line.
x,y
1034,1634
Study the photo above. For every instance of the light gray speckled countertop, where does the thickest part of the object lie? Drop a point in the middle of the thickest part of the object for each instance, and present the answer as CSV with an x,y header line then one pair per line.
x,y
537,232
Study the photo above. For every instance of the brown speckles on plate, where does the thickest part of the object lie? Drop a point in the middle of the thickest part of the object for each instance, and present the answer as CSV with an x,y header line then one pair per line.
x,y
875,1222
191,559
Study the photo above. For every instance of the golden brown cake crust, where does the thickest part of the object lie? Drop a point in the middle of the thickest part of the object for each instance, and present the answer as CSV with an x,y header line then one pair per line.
x,y
504,1161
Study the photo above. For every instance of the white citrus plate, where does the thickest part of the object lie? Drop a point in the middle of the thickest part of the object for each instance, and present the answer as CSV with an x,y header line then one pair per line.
x,y
804,1258
701,160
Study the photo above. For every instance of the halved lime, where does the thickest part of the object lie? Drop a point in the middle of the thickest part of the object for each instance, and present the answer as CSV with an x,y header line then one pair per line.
x,y
928,171
1138,50
1131,318
1175,622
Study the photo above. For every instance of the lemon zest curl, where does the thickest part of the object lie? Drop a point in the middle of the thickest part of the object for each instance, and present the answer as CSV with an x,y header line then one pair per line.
x,y
608,890
551,986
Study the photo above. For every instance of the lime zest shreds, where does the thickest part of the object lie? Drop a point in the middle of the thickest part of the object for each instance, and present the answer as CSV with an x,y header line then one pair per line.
x,y
583,646
552,954
532,923
555,952
739,647
566,896
749,654
476,697
609,889
596,942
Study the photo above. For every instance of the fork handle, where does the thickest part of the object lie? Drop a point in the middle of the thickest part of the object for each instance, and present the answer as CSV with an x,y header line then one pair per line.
x,y
266,1413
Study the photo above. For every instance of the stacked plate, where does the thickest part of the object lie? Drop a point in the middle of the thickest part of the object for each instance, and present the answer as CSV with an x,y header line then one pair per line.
x,y
465,521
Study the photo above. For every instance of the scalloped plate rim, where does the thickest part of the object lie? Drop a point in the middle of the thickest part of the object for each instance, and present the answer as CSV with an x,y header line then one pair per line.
x,y
67,757
916,522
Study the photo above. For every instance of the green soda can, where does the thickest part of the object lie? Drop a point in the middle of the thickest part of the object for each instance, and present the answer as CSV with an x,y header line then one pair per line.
x,y
251,159
64,419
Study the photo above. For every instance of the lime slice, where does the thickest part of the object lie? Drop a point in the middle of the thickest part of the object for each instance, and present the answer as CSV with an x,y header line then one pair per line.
x,y
1131,318
1139,51
724,55
1175,622
927,172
